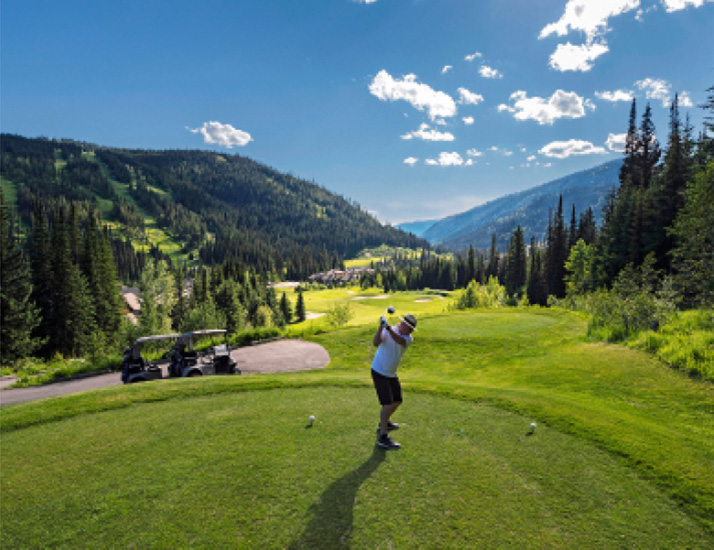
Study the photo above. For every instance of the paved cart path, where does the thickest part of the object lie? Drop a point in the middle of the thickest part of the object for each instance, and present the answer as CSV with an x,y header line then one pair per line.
x,y
280,356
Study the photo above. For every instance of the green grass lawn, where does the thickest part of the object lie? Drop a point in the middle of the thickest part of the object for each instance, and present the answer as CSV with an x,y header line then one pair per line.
x,y
622,457
366,306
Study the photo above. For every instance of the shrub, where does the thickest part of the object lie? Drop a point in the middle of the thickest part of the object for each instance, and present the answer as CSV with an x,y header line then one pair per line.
x,y
476,295
339,314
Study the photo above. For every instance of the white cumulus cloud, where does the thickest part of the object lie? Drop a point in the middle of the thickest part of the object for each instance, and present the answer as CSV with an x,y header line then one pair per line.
x,y
545,111
224,135
655,88
473,56
469,98
568,57
474,153
617,95
588,16
676,5
616,142
468,120
446,69
446,159
411,161
685,100
420,96
564,149
488,72
424,132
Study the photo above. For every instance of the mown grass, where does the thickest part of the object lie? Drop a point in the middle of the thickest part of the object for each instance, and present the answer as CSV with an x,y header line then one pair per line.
x,y
244,470
366,306
653,424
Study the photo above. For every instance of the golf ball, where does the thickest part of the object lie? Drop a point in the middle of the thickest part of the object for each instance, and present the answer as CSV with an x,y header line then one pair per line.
x,y
311,419
533,426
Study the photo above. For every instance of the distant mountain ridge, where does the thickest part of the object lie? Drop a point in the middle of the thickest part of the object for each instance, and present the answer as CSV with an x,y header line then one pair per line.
x,y
529,209
417,228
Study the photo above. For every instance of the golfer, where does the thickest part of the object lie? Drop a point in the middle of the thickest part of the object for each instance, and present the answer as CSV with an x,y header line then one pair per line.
x,y
391,343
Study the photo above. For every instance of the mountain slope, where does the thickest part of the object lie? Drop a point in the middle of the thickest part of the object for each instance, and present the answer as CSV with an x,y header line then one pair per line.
x,y
417,228
529,208
216,205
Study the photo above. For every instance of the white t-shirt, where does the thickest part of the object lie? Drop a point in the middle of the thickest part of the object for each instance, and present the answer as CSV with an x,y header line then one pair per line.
x,y
389,353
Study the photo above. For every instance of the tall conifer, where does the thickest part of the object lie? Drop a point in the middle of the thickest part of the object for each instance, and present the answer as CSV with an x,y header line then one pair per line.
x,y
19,315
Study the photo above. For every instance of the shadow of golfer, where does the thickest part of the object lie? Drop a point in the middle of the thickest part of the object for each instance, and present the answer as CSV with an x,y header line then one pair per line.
x,y
331,523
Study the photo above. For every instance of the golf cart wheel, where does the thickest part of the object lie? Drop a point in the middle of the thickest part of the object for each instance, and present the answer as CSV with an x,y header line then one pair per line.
x,y
194,373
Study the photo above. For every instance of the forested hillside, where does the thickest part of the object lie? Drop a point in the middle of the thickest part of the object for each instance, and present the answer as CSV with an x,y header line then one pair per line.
x,y
212,206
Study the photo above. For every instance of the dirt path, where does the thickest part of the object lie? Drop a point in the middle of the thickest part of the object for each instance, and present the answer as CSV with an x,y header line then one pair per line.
x,y
280,356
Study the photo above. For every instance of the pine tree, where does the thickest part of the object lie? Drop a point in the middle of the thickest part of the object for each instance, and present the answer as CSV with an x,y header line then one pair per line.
x,y
667,196
573,231
556,253
286,309
517,263
19,315
649,151
470,265
693,255
630,169
481,269
100,271
300,312
587,228
493,256
536,290
230,306
42,276
73,325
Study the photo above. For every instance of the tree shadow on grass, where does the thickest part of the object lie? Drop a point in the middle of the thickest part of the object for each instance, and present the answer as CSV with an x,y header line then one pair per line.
x,y
332,514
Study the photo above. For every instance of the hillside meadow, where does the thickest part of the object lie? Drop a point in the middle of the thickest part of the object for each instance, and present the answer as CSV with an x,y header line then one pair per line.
x,y
621,457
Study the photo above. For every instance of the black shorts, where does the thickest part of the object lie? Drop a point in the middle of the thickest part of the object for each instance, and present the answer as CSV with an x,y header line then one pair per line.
x,y
389,390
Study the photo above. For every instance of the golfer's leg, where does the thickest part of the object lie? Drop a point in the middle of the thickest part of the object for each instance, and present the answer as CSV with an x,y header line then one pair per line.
x,y
385,414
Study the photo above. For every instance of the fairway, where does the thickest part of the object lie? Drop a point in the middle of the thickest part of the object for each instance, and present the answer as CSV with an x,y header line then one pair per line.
x,y
241,470
621,456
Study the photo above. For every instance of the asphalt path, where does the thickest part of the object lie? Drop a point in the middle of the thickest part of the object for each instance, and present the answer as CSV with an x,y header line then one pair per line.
x,y
272,357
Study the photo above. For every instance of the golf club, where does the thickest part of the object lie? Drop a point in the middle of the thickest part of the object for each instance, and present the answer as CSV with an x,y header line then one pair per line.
x,y
389,310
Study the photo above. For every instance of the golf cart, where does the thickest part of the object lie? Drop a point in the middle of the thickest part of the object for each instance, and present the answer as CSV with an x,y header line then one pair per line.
x,y
137,369
185,361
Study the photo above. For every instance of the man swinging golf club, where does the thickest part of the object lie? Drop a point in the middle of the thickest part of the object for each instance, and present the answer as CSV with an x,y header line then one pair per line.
x,y
391,343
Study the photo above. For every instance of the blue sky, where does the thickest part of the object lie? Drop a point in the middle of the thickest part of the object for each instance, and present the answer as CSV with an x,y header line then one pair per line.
x,y
416,109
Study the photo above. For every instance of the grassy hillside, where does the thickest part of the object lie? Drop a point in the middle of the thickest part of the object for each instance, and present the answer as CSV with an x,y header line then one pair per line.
x,y
621,456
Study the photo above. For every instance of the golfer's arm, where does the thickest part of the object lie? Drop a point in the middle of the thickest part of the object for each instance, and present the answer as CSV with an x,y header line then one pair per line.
x,y
377,337
398,338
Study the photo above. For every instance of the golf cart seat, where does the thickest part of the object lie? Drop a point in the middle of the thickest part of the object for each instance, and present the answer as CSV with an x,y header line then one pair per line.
x,y
221,350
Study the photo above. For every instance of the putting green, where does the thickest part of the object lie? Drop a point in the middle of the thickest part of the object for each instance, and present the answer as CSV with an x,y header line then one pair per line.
x,y
244,470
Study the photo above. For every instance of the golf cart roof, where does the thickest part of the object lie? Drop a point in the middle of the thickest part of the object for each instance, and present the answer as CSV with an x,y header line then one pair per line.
x,y
204,332
136,353
145,339
187,337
